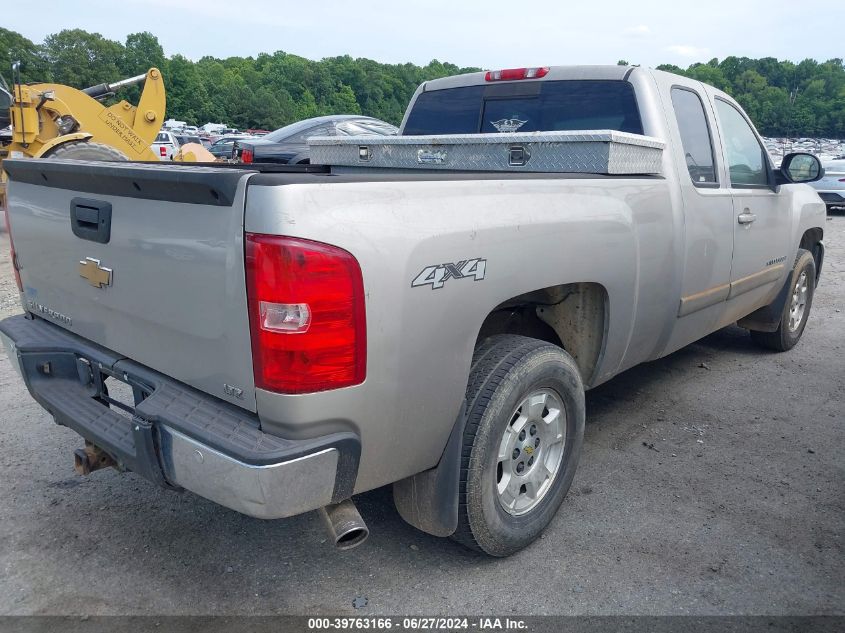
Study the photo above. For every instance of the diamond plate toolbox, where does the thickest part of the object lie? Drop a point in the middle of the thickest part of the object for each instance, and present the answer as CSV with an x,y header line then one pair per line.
x,y
589,152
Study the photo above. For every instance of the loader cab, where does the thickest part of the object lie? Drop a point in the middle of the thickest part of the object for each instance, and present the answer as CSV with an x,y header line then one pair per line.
x,y
6,100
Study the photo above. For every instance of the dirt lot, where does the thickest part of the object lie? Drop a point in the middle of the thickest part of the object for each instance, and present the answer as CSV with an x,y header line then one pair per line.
x,y
712,482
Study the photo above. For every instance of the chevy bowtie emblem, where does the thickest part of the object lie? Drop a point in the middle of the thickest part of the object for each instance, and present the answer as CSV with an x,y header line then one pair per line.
x,y
96,275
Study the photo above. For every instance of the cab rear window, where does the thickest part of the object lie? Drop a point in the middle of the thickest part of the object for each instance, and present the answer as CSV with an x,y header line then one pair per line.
x,y
531,107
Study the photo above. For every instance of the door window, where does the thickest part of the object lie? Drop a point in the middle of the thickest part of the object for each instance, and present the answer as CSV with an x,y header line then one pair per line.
x,y
695,136
747,164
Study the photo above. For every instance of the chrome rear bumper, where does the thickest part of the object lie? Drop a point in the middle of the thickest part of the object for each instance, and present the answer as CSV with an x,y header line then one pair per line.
x,y
268,491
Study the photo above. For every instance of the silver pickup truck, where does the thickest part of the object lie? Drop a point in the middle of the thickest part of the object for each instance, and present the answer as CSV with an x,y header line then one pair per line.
x,y
278,339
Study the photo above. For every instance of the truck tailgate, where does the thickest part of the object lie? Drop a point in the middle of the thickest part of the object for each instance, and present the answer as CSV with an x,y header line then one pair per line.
x,y
146,260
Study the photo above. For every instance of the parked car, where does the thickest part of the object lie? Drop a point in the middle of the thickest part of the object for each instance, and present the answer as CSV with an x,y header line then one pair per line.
x,y
290,145
292,339
222,147
165,145
831,187
183,138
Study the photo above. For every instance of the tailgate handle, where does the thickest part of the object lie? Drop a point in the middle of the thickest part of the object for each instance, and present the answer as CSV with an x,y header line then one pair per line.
x,y
91,219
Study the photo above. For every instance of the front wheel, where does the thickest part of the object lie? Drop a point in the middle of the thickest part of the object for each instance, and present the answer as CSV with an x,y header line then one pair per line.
x,y
85,150
796,309
522,442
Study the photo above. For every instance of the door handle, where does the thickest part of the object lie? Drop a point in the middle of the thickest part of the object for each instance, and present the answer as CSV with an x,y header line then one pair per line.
x,y
745,217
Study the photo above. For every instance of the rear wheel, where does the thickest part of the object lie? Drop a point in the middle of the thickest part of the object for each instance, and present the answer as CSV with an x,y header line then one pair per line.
x,y
523,437
796,309
83,150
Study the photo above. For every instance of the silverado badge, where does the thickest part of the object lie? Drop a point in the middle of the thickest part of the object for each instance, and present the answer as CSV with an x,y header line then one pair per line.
x,y
96,275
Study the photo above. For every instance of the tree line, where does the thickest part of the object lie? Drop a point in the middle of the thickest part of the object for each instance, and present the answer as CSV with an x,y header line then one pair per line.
x,y
271,90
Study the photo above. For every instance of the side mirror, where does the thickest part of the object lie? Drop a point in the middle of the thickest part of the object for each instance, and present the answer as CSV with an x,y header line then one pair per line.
x,y
800,167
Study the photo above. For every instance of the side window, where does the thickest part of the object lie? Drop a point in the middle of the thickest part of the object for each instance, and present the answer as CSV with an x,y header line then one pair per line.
x,y
746,161
695,136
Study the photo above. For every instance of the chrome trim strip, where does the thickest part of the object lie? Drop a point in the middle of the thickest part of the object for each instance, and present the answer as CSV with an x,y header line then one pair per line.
x,y
272,491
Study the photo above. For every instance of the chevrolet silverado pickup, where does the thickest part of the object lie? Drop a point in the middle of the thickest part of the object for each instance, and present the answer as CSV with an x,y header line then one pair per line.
x,y
279,339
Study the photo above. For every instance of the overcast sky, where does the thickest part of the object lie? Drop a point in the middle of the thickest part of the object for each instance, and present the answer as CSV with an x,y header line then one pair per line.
x,y
489,34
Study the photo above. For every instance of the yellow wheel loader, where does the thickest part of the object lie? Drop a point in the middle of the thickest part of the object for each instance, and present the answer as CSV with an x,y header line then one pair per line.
x,y
56,121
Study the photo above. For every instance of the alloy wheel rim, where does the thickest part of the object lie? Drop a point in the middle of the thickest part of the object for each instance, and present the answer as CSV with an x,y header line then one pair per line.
x,y
531,451
798,305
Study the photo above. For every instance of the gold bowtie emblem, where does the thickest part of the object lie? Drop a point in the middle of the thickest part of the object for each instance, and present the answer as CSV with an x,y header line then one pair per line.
x,y
97,276
529,449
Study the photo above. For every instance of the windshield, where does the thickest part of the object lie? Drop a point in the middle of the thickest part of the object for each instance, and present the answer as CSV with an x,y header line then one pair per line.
x,y
530,107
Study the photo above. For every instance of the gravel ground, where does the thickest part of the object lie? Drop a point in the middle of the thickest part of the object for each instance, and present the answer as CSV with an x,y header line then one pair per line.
x,y
711,483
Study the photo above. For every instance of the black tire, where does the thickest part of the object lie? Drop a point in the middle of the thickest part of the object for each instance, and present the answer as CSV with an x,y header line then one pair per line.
x,y
83,150
506,369
785,337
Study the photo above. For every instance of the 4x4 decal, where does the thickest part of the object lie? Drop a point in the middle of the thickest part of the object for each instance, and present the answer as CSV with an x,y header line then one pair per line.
x,y
436,276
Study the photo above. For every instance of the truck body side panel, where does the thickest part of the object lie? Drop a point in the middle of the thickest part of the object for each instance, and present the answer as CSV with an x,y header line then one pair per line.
x,y
532,234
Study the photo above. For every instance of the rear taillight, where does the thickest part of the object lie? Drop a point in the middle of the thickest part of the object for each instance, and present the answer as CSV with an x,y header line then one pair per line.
x,y
246,155
162,150
11,242
509,74
306,314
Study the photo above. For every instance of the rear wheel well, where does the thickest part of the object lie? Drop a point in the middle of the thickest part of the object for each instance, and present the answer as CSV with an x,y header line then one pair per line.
x,y
572,316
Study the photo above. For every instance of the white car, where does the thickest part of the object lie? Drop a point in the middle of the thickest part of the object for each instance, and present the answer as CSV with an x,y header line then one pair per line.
x,y
831,188
165,145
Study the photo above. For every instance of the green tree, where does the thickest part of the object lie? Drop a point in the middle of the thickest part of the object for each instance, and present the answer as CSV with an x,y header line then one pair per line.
x,y
709,74
15,47
141,52
343,101
186,93
81,59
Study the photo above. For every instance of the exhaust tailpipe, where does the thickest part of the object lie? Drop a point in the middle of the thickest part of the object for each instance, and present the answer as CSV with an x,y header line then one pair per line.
x,y
344,524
